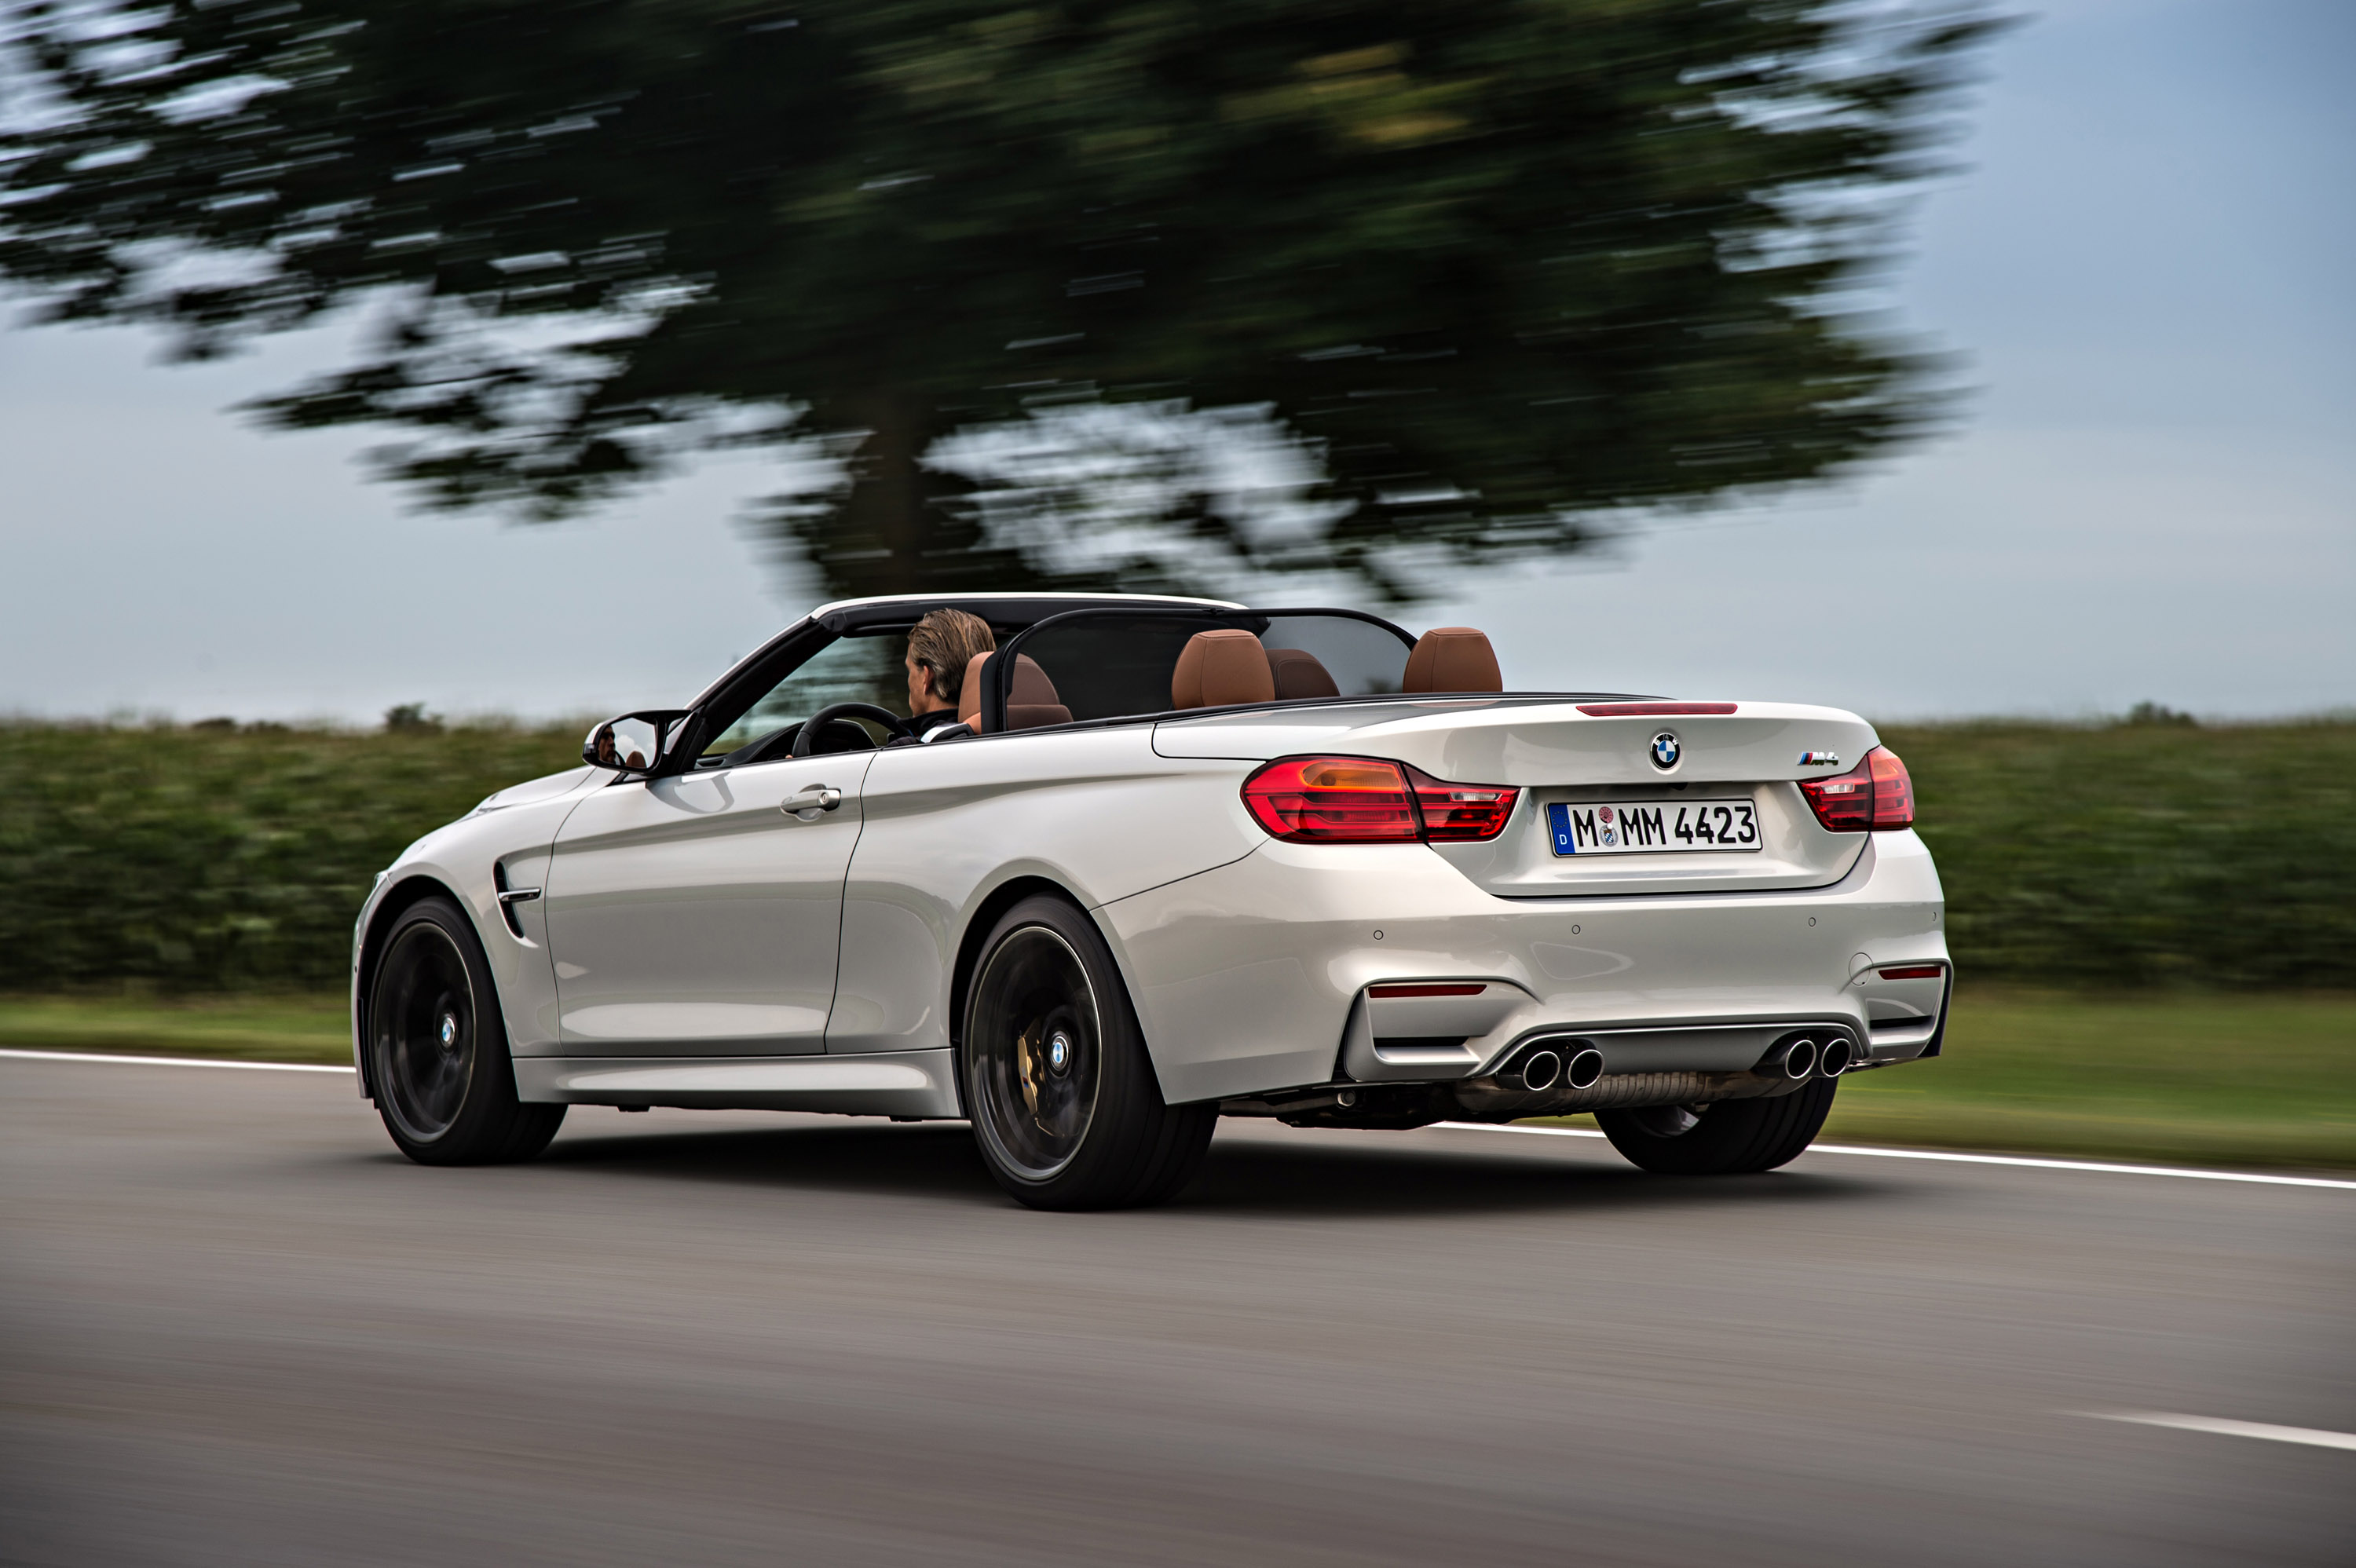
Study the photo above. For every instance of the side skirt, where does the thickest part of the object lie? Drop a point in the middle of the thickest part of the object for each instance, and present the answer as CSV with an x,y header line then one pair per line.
x,y
888,1084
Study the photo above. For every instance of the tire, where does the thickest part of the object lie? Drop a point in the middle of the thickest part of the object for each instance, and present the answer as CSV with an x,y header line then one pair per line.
x,y
1724,1139
437,1047
1054,1074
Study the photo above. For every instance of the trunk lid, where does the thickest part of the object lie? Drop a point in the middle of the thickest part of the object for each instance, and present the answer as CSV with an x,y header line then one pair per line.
x,y
1583,754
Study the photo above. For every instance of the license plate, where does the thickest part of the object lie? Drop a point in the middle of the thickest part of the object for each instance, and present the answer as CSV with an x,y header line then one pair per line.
x,y
1652,827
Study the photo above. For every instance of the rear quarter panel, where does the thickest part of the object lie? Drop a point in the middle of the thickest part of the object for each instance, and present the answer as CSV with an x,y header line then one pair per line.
x,y
1094,812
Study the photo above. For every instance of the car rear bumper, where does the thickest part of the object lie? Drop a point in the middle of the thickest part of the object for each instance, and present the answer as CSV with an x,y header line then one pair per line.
x,y
1255,977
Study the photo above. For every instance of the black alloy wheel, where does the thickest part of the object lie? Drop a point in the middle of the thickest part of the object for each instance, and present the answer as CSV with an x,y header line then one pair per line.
x,y
1724,1137
437,1047
1054,1073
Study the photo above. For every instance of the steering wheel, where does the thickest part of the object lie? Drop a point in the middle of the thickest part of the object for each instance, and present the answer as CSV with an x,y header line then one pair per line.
x,y
806,741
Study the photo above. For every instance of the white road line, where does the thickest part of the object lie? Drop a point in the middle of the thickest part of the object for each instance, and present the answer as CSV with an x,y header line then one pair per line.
x,y
2309,1435
1453,1126
170,1061
1945,1156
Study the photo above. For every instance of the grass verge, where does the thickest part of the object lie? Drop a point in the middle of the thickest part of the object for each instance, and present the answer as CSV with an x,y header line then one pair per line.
x,y
298,1026
2195,1078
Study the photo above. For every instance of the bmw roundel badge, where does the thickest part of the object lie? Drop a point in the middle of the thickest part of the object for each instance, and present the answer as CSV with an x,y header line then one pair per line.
x,y
1664,750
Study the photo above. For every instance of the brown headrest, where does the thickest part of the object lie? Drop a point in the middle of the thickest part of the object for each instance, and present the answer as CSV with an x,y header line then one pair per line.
x,y
1031,703
970,694
1219,668
1299,674
1453,658
1035,715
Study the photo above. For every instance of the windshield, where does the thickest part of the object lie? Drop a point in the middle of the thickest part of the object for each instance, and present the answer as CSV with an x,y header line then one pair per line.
x,y
863,667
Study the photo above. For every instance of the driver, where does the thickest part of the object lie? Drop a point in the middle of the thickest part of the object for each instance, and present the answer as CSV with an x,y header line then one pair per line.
x,y
939,647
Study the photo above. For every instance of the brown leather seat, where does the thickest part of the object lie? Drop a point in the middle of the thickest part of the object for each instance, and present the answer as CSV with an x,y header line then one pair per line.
x,y
1299,674
1218,669
1030,704
1453,658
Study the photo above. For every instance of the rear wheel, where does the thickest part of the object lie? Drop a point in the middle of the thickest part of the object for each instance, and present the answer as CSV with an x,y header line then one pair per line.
x,y
437,1047
1724,1137
1055,1076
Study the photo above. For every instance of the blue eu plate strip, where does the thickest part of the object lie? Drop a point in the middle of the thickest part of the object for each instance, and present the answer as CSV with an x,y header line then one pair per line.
x,y
1558,819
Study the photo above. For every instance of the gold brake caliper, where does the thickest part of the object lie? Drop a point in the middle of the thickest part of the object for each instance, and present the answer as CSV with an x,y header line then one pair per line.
x,y
1025,1057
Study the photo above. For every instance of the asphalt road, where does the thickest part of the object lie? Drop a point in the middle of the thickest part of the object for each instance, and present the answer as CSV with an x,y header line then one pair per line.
x,y
235,1327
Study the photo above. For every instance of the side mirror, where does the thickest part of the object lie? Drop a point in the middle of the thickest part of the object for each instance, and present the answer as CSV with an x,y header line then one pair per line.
x,y
632,743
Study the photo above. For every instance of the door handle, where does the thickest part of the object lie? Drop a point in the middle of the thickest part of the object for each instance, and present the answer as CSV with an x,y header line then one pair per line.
x,y
810,802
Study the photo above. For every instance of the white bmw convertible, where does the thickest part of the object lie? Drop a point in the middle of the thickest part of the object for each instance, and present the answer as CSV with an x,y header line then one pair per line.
x,y
1177,860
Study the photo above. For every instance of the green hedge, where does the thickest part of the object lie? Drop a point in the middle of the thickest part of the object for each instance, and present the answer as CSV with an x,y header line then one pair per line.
x,y
2143,854
205,859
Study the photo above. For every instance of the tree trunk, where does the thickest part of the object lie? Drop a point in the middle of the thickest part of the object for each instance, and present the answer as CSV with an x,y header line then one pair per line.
x,y
902,528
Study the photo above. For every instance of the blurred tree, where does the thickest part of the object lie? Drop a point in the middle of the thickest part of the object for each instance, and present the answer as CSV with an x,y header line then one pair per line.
x,y
1505,262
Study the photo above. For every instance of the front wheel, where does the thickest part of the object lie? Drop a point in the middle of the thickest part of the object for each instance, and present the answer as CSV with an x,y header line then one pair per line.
x,y
1724,1137
437,1047
1056,1076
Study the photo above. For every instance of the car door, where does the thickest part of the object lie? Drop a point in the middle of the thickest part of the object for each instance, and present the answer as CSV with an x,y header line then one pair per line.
x,y
701,915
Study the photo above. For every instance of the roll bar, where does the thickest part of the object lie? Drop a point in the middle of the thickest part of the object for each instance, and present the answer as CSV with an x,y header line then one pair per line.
x,y
1000,674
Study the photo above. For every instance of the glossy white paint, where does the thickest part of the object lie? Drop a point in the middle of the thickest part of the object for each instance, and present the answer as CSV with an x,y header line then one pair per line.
x,y
514,827
1245,976
1557,754
709,949
1094,812
697,916
1533,740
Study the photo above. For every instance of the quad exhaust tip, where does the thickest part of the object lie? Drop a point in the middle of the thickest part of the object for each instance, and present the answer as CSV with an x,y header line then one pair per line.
x,y
1545,1067
1797,1060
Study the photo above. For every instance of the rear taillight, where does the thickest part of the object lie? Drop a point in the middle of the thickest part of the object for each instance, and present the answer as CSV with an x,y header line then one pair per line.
x,y
1876,795
1460,814
1844,804
1333,800
1366,800
1893,790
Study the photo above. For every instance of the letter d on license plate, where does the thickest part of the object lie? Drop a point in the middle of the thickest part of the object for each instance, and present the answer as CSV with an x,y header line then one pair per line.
x,y
1652,827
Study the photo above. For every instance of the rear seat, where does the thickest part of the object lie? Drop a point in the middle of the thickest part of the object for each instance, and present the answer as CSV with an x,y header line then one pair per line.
x,y
1453,658
1219,669
1030,704
1300,674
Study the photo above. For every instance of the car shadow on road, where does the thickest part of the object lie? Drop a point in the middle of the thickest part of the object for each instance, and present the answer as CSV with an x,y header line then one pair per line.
x,y
1301,1180
1243,1175
934,1160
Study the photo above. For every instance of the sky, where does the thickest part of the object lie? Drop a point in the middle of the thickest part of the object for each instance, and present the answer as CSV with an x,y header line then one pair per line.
x,y
2148,268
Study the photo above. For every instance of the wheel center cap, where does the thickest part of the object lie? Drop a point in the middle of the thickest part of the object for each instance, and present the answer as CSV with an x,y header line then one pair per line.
x,y
1059,1052
449,1031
